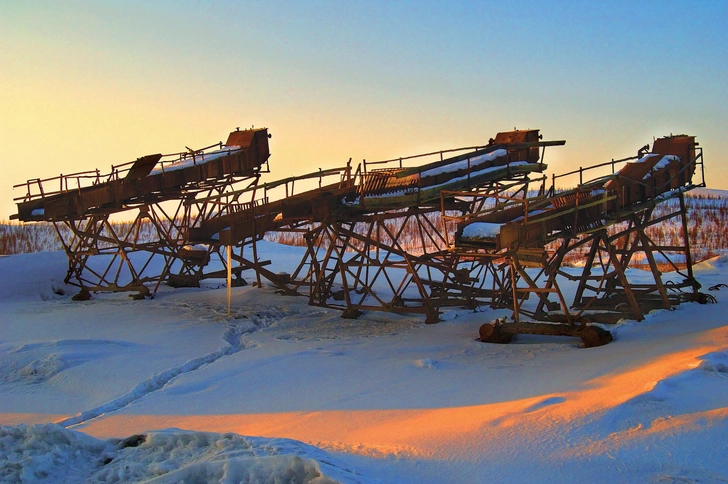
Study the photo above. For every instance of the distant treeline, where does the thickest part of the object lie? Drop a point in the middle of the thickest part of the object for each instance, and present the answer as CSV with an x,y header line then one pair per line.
x,y
707,215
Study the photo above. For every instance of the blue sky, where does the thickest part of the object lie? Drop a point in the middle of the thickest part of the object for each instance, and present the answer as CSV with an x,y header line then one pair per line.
x,y
90,84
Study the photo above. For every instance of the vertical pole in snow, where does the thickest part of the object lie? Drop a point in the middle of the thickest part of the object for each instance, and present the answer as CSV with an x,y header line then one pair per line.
x,y
229,275
686,239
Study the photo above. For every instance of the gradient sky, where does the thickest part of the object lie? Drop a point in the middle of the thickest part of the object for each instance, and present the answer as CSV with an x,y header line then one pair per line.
x,y
84,85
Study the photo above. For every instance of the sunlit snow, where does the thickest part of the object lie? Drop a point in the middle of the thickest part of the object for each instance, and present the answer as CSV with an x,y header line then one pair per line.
x,y
176,389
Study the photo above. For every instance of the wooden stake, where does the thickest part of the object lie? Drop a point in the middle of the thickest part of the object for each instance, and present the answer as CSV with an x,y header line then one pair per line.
x,y
229,276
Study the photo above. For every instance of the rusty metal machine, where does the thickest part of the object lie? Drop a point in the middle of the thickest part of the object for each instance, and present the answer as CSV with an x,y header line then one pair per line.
x,y
169,193
467,227
607,218
374,237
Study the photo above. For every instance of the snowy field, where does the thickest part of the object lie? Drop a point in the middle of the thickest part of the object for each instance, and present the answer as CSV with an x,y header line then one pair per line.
x,y
173,389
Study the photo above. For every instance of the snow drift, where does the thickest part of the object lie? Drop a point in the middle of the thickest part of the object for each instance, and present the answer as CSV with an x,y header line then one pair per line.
x,y
54,454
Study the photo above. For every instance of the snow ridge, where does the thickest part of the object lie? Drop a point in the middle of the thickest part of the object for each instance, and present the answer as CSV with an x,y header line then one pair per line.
x,y
49,453
236,341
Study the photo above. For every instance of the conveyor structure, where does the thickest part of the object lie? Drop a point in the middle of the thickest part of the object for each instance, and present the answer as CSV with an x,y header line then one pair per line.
x,y
466,227
607,220
169,193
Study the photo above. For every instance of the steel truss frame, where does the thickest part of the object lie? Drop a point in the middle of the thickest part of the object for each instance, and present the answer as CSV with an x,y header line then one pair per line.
x,y
106,256
604,294
365,263
402,260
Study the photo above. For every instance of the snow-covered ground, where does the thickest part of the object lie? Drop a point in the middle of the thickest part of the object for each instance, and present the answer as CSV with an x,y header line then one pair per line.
x,y
174,389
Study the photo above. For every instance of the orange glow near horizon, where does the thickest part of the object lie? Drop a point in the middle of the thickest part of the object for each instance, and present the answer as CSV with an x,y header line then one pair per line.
x,y
86,85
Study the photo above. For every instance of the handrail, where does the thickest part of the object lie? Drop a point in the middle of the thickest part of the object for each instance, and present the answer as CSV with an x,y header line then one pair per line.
x,y
599,165
403,158
612,163
117,172
274,184
530,204
218,144
522,145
